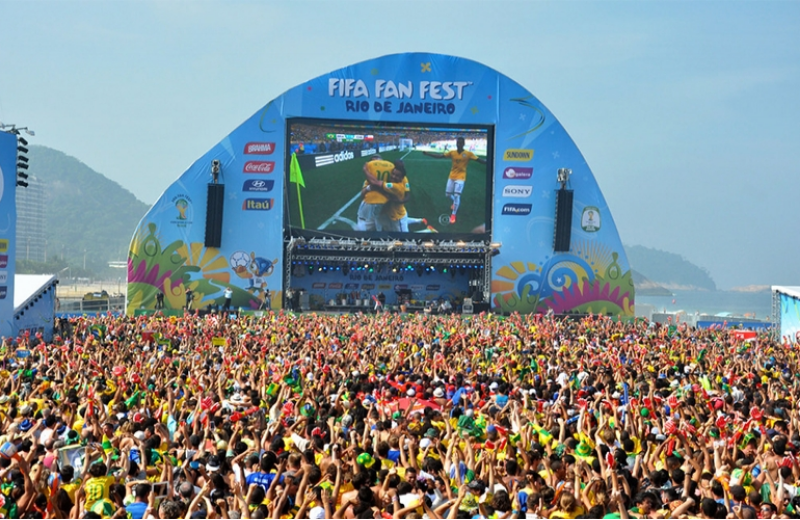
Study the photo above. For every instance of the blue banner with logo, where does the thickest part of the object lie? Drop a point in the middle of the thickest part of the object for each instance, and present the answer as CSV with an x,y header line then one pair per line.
x,y
527,146
8,227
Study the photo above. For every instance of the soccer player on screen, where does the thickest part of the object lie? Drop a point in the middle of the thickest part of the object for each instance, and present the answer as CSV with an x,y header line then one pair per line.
x,y
458,172
373,199
394,216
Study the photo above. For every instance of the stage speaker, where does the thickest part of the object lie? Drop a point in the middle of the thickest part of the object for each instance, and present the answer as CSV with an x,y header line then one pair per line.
x,y
216,198
563,224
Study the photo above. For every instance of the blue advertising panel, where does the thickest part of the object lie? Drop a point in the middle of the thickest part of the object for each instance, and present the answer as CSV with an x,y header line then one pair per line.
x,y
405,145
8,226
790,318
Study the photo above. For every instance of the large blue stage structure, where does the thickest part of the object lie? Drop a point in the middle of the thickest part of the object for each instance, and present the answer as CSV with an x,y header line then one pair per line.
x,y
485,198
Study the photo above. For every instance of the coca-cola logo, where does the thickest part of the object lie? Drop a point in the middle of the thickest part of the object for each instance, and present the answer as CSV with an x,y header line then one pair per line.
x,y
259,167
259,148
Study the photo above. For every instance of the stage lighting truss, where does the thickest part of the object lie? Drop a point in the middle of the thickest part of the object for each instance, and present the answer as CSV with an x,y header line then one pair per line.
x,y
331,261
299,245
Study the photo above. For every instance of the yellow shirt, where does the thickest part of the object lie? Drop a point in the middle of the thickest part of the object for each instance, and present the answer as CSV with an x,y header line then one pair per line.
x,y
395,209
576,512
382,170
458,172
97,488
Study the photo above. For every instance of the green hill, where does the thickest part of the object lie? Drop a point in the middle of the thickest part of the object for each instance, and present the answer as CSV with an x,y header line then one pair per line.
x,y
669,270
85,212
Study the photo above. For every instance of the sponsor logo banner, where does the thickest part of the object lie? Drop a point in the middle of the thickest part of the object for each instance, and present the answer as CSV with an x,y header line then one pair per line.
x,y
520,192
318,285
336,285
432,287
3,276
253,148
518,154
517,172
4,246
366,153
517,209
351,286
324,160
368,286
258,185
400,286
417,287
3,293
259,167
258,204
3,261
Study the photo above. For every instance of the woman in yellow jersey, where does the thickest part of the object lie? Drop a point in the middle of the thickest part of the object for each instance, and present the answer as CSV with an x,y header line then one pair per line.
x,y
458,172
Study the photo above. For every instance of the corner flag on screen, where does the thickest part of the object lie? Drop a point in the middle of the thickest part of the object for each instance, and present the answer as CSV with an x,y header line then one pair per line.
x,y
296,176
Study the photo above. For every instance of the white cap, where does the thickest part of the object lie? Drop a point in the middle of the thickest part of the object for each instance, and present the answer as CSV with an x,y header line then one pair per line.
x,y
493,386
424,443
139,435
411,392
438,392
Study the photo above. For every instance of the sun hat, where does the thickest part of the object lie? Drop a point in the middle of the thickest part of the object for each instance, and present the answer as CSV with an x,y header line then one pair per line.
x,y
366,460
582,450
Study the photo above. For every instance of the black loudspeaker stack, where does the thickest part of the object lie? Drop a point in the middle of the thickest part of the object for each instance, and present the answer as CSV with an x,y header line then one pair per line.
x,y
563,225
216,198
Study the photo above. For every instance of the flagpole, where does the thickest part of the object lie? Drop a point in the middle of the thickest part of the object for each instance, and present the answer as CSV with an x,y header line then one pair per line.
x,y
300,205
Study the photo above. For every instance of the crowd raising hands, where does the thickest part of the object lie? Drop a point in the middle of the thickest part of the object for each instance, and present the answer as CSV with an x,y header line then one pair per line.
x,y
397,416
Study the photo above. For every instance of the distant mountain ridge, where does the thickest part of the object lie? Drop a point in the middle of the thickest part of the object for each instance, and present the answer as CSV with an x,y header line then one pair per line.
x,y
86,211
668,270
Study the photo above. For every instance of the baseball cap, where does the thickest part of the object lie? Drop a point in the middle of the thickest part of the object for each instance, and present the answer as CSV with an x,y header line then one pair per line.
x,y
213,463
438,392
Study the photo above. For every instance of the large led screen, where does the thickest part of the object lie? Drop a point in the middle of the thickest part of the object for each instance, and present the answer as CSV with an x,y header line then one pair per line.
x,y
388,180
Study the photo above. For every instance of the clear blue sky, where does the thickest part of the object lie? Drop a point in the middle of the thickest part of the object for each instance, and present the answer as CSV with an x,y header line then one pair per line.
x,y
687,112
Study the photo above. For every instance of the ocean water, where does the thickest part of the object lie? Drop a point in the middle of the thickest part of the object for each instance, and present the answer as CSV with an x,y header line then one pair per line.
x,y
712,302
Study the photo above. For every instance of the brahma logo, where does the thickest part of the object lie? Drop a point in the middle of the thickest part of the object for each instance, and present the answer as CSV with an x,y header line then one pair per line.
x,y
3,261
517,209
517,173
258,204
519,192
518,154
324,160
259,167
4,246
259,148
258,185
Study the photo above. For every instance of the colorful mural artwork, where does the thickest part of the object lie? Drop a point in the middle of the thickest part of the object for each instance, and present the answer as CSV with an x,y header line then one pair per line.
x,y
410,107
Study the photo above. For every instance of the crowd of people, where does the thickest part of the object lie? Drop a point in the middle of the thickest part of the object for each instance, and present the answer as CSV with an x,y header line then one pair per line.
x,y
397,416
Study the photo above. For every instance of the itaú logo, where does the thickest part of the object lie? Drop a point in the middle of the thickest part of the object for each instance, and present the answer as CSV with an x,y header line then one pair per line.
x,y
343,156
258,204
